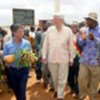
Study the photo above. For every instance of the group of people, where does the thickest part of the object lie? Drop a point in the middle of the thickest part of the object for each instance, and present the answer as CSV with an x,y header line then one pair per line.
x,y
66,55
76,52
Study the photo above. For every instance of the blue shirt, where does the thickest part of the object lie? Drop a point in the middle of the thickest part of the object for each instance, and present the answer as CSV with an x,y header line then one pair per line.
x,y
98,52
11,48
89,54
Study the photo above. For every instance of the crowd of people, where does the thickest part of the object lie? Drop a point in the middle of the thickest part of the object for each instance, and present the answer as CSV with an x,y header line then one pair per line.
x,y
66,56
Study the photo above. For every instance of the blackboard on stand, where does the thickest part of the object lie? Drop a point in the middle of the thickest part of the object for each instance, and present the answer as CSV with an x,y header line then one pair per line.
x,y
23,16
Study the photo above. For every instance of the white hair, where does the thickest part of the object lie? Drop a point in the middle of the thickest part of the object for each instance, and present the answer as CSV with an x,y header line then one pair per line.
x,y
75,23
61,16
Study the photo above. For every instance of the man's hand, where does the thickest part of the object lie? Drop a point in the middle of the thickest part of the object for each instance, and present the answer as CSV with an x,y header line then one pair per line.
x,y
91,36
83,36
44,61
70,64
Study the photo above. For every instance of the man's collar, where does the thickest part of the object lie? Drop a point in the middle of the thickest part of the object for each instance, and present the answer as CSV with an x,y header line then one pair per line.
x,y
95,28
19,42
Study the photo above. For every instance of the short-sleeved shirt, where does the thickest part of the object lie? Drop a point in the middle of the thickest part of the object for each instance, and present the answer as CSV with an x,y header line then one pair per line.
x,y
11,48
90,47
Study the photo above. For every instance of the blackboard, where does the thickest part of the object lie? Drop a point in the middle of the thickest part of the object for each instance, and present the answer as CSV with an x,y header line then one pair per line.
x,y
23,16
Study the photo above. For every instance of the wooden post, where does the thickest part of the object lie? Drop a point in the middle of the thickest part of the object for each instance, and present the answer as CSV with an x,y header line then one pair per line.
x,y
57,6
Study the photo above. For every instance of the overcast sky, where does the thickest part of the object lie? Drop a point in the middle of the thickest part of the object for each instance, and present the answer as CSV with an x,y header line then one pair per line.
x,y
73,9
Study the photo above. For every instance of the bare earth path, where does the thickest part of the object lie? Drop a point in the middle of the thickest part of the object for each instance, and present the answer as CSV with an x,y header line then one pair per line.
x,y
36,92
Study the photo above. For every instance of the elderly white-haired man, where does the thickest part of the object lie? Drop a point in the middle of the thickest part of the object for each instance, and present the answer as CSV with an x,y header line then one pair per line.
x,y
58,51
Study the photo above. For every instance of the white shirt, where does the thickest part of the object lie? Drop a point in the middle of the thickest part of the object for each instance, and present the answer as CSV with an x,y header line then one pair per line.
x,y
58,45
32,34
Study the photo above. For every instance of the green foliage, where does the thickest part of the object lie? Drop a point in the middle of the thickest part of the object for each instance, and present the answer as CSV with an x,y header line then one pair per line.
x,y
25,57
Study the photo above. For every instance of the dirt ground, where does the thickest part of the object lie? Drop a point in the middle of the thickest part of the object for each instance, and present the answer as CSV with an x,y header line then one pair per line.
x,y
36,92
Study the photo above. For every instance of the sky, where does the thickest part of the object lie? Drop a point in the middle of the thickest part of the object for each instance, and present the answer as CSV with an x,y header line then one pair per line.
x,y
74,10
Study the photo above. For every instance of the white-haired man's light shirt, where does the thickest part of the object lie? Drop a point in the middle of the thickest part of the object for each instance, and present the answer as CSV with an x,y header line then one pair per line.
x,y
58,45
